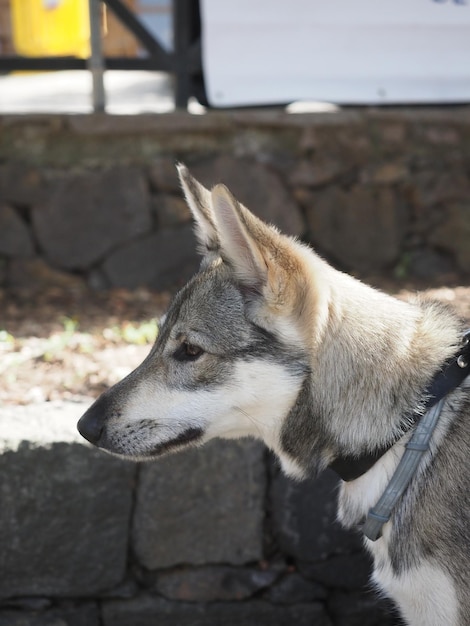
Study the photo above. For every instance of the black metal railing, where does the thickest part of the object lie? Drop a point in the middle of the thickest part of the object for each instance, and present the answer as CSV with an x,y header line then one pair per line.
x,y
184,62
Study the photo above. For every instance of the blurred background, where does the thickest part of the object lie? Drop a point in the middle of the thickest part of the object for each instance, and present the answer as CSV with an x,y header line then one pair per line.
x,y
230,54
62,29
346,124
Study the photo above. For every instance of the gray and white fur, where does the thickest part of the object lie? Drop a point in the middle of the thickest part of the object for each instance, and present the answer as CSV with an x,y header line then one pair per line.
x,y
269,341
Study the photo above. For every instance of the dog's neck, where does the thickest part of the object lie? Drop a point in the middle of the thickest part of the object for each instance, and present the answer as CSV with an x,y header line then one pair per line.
x,y
369,373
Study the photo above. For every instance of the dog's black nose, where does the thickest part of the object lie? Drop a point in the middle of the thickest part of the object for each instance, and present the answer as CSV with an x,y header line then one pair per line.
x,y
91,424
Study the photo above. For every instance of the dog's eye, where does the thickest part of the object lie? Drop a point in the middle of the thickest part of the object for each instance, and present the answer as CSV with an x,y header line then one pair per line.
x,y
188,352
191,350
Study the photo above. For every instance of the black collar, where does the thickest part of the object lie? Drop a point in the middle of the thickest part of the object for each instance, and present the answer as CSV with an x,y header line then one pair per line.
x,y
452,374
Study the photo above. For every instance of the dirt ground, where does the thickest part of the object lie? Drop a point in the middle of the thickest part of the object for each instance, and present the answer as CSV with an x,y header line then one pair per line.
x,y
70,345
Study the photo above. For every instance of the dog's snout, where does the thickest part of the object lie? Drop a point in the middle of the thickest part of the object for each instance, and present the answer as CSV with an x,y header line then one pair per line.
x,y
91,424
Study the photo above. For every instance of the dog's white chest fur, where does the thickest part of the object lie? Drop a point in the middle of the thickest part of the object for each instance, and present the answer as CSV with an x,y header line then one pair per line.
x,y
425,594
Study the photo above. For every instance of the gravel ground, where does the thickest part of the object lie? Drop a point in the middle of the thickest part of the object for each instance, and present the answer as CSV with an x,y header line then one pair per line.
x,y
66,345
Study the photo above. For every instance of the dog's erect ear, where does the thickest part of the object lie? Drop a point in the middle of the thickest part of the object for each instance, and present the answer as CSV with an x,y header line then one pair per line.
x,y
261,258
199,201
237,245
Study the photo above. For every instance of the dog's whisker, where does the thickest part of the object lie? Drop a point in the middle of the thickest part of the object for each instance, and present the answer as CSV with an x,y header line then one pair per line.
x,y
256,422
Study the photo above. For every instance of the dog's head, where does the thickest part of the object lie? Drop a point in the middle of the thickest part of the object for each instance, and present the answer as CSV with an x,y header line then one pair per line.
x,y
230,357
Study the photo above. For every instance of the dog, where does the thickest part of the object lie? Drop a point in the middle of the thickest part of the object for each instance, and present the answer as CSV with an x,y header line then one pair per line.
x,y
268,340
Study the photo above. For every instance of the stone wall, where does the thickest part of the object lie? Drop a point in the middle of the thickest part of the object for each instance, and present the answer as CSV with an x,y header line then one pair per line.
x,y
216,536
202,538
95,199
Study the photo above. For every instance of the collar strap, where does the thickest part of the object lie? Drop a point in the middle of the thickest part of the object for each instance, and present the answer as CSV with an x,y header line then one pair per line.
x,y
452,374
414,450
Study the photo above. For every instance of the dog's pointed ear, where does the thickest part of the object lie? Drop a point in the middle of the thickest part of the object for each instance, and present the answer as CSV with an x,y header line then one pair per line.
x,y
237,246
199,201
265,263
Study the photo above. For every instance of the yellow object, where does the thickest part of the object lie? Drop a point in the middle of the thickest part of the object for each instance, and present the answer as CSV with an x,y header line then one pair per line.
x,y
51,27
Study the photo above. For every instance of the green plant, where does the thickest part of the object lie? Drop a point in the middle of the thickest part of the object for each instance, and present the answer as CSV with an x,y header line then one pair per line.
x,y
140,334
402,268
6,337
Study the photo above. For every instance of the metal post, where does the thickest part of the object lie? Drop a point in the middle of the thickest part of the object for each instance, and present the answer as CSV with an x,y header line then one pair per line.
x,y
181,41
95,61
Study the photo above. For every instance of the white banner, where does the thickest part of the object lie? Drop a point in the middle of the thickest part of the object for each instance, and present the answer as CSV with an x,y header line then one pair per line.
x,y
259,52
